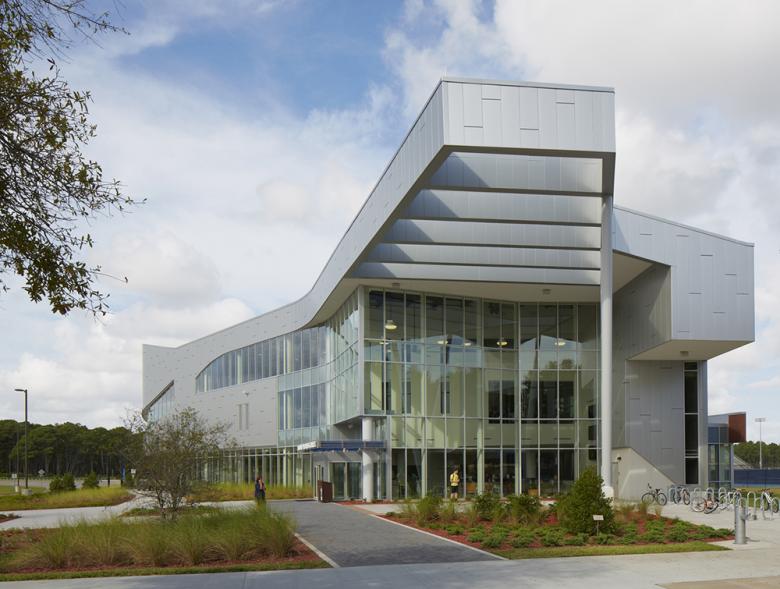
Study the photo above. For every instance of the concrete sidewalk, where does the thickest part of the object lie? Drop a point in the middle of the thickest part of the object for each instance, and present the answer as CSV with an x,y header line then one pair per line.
x,y
752,567
51,518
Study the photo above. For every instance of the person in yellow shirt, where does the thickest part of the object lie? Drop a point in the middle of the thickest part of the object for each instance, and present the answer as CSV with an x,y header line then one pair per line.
x,y
454,484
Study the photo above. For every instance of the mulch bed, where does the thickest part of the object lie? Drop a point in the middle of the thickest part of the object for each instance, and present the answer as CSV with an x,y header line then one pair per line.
x,y
550,521
7,517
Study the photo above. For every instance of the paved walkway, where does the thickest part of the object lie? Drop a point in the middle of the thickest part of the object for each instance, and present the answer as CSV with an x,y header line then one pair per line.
x,y
51,518
753,569
353,538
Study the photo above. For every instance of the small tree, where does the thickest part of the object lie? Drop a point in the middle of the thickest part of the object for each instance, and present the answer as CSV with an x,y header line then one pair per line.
x,y
166,454
90,481
586,499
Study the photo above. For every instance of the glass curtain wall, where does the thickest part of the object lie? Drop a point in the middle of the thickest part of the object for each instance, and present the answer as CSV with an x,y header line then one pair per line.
x,y
506,392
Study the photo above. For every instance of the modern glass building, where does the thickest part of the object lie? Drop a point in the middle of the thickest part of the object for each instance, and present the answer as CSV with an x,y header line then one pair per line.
x,y
489,309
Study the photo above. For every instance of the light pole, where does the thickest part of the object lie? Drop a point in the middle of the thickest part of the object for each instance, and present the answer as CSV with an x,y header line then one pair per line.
x,y
26,470
759,421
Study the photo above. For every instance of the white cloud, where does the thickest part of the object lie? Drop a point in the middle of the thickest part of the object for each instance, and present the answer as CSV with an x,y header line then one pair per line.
x,y
698,140
698,129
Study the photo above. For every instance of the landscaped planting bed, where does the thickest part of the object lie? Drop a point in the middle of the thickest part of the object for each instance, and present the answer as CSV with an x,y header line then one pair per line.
x,y
245,539
4,517
521,527
80,498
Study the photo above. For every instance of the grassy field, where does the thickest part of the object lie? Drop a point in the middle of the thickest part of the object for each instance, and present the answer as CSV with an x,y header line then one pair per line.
x,y
561,551
246,491
9,490
247,539
79,498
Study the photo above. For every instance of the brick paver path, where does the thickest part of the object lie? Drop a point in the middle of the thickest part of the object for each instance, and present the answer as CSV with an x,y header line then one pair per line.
x,y
351,538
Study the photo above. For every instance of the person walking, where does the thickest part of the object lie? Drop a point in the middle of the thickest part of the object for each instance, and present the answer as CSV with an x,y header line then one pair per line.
x,y
261,484
258,488
454,484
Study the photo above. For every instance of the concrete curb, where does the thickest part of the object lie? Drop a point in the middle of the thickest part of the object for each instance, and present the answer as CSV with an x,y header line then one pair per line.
x,y
318,552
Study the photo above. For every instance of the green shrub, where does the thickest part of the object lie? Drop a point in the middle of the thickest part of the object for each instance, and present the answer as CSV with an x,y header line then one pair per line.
x,y
653,536
90,481
486,505
723,532
429,509
655,525
149,544
191,541
586,499
576,540
677,534
552,536
454,529
523,537
524,509
129,481
448,512
476,535
630,538
604,538
493,541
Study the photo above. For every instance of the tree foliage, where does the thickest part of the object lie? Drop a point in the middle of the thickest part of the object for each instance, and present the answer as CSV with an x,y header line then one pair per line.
x,y
748,451
49,190
586,499
167,452
60,448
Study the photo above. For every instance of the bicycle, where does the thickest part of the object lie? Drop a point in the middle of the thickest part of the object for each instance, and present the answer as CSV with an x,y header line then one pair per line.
x,y
765,498
679,493
704,504
654,495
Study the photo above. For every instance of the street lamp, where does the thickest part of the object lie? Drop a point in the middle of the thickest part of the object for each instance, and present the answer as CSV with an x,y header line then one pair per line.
x,y
759,421
26,470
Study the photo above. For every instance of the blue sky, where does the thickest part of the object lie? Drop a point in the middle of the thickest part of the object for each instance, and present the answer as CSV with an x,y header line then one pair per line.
x,y
255,129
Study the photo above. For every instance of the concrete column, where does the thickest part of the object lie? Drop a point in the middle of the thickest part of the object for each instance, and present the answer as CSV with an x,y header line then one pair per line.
x,y
606,345
368,460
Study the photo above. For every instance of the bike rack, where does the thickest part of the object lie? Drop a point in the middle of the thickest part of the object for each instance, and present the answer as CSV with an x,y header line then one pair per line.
x,y
747,503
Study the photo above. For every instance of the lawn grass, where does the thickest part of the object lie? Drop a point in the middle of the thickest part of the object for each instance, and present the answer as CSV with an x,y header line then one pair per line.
x,y
78,498
246,492
9,490
563,551
132,572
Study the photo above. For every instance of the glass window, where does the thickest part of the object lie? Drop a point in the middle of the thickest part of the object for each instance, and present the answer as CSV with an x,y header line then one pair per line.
x,y
473,392
493,471
548,327
455,389
529,399
587,327
394,316
413,318
493,390
375,320
471,315
491,313
434,320
528,326
548,471
508,326
436,472
508,396
691,392
567,328
566,385
530,471
454,321
548,394
434,391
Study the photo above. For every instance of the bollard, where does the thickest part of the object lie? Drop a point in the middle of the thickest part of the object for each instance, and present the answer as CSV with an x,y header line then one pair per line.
x,y
740,517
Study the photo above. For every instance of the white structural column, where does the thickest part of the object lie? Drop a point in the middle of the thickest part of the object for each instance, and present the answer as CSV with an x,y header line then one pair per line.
x,y
368,460
606,345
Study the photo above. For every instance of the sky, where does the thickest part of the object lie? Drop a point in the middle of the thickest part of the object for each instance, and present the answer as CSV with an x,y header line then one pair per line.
x,y
255,130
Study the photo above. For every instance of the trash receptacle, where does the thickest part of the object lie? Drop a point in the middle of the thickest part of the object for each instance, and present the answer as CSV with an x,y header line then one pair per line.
x,y
324,491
